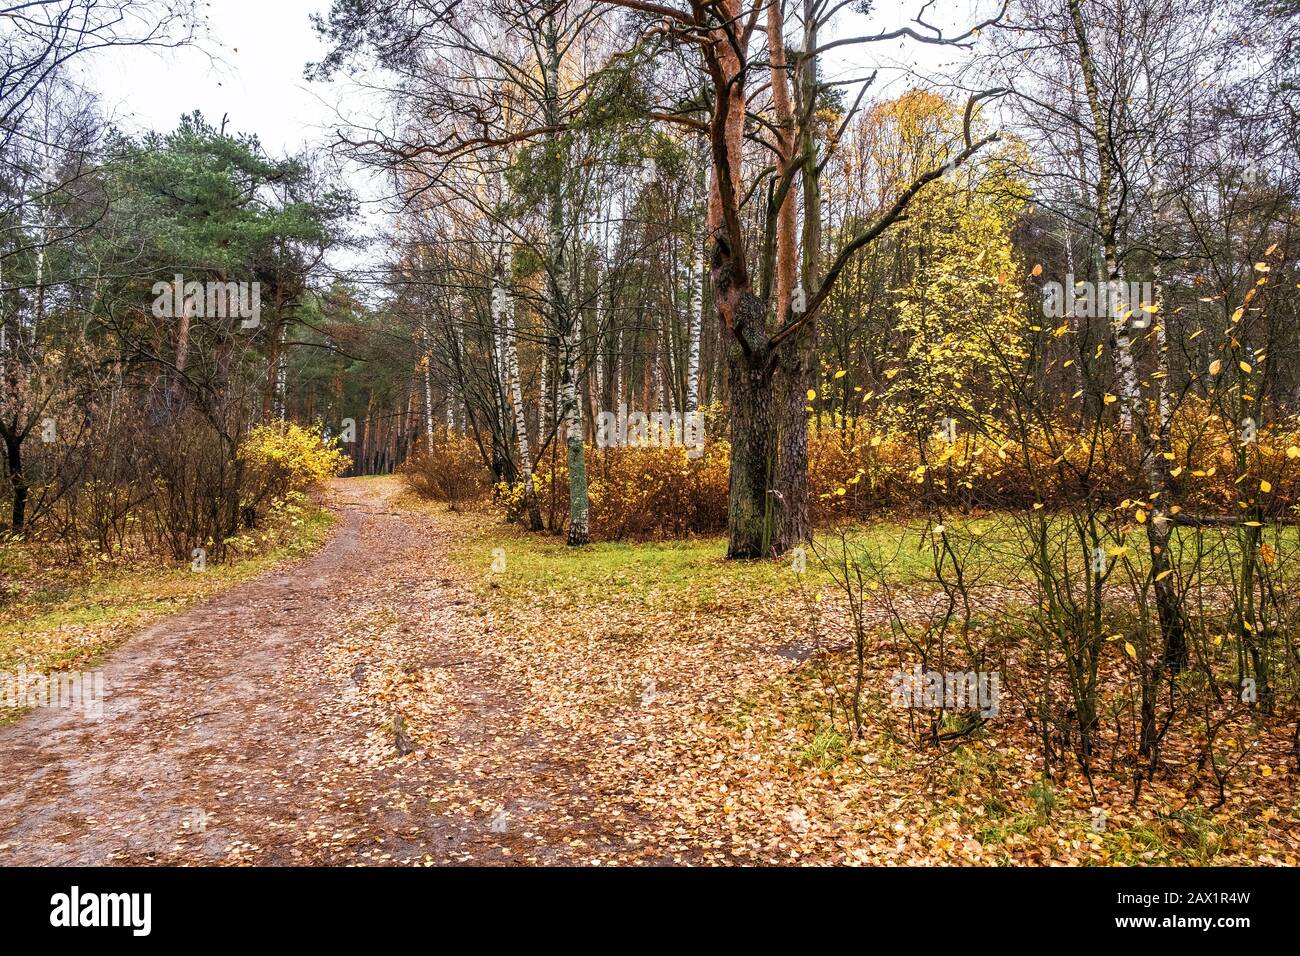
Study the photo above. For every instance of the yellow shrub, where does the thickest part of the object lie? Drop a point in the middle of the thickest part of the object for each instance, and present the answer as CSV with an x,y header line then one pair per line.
x,y
285,458
638,493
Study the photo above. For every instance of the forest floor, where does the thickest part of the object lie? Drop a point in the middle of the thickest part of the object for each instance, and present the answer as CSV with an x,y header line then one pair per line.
x,y
434,687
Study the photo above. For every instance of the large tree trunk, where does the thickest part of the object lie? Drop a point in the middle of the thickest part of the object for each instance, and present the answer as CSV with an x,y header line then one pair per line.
x,y
753,453
741,313
796,373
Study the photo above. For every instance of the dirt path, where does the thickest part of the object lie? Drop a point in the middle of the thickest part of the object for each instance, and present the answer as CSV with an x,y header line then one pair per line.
x,y
254,728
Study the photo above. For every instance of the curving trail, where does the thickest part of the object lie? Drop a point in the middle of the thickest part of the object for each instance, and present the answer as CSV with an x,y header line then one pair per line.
x,y
252,729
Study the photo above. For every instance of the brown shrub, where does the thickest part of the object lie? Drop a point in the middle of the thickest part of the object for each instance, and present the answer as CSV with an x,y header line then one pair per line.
x,y
660,493
639,493
451,470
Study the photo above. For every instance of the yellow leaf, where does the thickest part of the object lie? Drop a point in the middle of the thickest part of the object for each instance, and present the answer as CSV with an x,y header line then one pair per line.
x,y
1215,367
1164,574
1293,451
841,373
1130,650
1108,399
1265,487
1244,366
812,393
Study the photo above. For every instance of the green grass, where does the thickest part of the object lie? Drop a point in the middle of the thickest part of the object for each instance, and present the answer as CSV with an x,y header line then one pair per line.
x,y
658,574
1189,836
694,571
827,749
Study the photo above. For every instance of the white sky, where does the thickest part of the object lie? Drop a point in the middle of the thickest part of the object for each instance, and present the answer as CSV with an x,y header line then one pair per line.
x,y
249,63
248,66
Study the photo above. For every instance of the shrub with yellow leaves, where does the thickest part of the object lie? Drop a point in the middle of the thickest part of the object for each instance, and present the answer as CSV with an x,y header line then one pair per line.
x,y
286,458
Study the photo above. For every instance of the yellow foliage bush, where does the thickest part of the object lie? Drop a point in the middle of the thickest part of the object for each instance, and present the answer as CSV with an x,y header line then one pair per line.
x,y
286,458
857,472
651,493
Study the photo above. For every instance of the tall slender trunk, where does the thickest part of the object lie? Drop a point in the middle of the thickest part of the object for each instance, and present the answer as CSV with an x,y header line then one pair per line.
x,y
176,391
797,362
618,369
668,393
543,388
282,376
273,358
531,510
13,440
695,320
456,409
1154,465
566,322
428,393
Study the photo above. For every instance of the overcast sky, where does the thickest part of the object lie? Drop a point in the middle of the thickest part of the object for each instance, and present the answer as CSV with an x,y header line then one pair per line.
x,y
247,66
